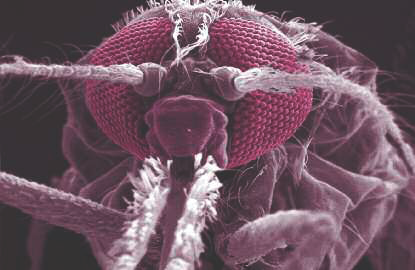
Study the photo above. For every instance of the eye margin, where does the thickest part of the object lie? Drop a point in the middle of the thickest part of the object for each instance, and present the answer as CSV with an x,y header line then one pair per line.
x,y
154,76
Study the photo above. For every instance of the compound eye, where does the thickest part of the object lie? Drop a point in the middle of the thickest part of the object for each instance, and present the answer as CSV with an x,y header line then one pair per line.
x,y
153,79
224,82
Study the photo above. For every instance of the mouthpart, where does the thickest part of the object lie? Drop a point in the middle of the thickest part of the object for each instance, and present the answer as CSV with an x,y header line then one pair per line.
x,y
184,126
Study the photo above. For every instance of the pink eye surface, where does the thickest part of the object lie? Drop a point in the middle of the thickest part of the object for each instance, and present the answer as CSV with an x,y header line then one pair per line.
x,y
118,110
260,122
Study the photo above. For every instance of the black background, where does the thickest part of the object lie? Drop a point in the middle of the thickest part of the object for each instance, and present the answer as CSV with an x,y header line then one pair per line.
x,y
58,31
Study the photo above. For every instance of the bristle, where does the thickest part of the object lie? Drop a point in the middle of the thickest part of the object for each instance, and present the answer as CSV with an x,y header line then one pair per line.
x,y
124,73
200,206
128,17
150,196
154,3
216,9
